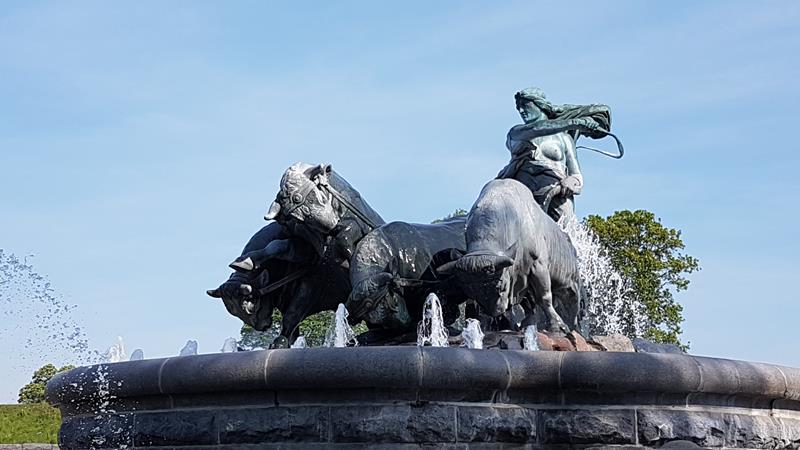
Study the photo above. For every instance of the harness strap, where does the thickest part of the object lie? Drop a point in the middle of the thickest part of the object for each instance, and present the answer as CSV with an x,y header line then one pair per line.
x,y
297,274
349,205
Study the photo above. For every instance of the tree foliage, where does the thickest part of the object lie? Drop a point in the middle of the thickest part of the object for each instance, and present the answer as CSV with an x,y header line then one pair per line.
x,y
459,212
650,256
33,392
312,328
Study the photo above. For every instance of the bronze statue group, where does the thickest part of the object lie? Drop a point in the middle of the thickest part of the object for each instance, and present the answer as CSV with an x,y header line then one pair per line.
x,y
508,260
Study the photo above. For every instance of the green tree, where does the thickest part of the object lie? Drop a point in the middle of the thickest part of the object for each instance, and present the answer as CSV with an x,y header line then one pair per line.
x,y
649,255
457,213
33,392
313,328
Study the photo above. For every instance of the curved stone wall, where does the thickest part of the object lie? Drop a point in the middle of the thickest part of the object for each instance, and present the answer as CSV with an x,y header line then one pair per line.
x,y
445,397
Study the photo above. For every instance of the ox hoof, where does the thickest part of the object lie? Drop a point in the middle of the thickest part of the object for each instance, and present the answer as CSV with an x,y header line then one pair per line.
x,y
279,342
243,265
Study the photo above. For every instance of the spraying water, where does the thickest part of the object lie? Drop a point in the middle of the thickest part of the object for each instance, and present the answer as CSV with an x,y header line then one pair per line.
x,y
116,353
610,307
137,355
37,325
431,329
340,334
229,346
531,339
300,343
472,334
189,349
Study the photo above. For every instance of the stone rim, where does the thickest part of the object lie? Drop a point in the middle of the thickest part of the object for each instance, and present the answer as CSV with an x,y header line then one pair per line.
x,y
428,369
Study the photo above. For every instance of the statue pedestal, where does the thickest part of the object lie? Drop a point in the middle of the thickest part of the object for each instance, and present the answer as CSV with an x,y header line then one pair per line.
x,y
445,397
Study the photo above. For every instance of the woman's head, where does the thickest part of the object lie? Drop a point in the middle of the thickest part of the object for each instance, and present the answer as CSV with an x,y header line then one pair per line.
x,y
532,104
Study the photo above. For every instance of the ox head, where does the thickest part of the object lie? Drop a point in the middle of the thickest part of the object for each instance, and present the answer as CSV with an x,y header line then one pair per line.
x,y
379,301
484,277
304,198
241,299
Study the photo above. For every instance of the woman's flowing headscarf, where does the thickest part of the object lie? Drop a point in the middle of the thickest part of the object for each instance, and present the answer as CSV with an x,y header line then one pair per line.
x,y
599,113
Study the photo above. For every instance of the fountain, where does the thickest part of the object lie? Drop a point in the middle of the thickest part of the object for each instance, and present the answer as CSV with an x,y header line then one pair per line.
x,y
340,333
472,336
116,352
514,265
189,349
229,346
531,339
431,330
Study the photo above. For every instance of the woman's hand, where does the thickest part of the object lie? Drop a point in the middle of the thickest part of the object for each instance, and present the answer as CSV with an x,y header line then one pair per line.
x,y
571,185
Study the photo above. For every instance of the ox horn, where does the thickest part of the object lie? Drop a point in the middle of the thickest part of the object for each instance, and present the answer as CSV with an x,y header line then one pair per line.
x,y
503,261
273,212
214,293
447,268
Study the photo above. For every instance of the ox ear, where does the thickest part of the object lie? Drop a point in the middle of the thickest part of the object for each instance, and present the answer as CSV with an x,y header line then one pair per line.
x,y
320,170
214,293
273,212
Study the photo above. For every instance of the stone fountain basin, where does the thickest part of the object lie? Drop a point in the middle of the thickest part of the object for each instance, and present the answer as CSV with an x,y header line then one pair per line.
x,y
447,397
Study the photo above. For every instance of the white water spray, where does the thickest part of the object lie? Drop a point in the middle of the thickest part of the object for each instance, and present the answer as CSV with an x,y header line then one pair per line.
x,y
610,307
431,329
189,349
340,334
531,339
229,346
300,342
137,355
472,335
116,353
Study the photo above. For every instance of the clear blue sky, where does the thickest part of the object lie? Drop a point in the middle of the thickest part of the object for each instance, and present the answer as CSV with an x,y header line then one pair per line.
x,y
141,142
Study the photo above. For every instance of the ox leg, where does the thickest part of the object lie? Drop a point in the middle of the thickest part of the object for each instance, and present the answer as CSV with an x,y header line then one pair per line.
x,y
544,296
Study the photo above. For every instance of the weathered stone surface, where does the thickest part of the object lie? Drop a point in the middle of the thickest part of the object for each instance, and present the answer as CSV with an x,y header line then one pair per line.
x,y
175,428
579,426
496,424
761,432
579,342
657,427
101,431
645,346
394,423
556,341
503,340
259,425
614,343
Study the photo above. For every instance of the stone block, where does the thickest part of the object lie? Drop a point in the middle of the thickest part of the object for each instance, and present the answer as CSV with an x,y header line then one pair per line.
x,y
217,372
579,342
582,426
393,424
627,372
496,424
657,427
614,342
444,368
349,368
175,428
278,424
96,432
555,341
757,432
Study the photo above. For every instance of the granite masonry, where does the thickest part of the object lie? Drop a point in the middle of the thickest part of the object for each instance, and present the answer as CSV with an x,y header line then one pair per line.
x,y
411,397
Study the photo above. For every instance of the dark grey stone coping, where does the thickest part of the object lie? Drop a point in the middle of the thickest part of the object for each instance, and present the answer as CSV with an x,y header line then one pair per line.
x,y
437,374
